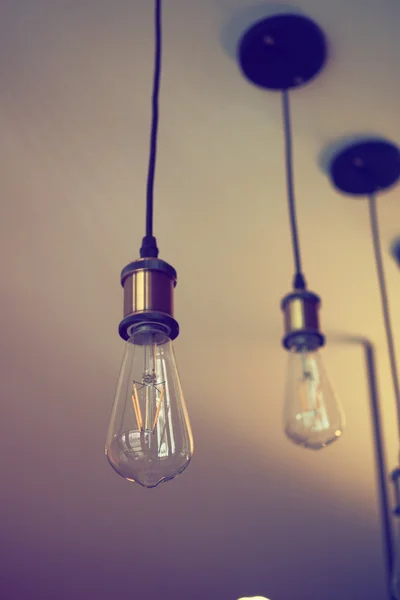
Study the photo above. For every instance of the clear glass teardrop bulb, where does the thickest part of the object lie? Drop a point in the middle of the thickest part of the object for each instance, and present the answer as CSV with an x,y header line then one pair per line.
x,y
313,417
149,438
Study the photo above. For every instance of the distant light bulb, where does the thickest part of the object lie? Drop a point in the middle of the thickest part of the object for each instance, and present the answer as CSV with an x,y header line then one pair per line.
x,y
312,416
254,598
149,439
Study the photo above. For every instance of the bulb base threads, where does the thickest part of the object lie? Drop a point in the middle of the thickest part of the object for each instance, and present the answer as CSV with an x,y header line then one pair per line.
x,y
301,318
148,296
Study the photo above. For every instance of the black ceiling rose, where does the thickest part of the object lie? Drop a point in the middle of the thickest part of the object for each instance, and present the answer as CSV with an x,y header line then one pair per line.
x,y
282,52
366,167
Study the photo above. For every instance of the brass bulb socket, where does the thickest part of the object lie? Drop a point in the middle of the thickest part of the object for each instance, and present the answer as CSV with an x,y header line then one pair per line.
x,y
148,285
301,321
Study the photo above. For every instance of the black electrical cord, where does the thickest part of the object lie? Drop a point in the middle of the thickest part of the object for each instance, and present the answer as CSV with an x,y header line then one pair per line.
x,y
299,282
385,302
149,244
380,271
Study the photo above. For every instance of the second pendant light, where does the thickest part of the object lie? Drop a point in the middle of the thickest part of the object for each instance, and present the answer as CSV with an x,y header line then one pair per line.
x,y
280,53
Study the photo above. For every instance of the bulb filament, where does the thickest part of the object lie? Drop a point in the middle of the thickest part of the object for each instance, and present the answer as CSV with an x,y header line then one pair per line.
x,y
148,382
136,407
158,408
312,400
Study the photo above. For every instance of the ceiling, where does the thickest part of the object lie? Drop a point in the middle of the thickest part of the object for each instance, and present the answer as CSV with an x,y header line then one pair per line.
x,y
253,514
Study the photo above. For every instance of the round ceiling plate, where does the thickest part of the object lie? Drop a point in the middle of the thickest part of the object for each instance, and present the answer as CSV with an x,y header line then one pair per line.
x,y
366,167
282,52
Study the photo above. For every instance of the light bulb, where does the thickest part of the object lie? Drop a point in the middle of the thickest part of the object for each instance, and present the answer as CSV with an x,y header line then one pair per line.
x,y
312,416
149,439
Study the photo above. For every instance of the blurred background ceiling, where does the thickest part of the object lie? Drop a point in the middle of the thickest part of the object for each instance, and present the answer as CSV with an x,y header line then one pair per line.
x,y
253,514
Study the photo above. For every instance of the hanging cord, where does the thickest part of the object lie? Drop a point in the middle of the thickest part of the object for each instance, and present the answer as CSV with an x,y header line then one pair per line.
x,y
149,242
380,465
390,555
385,302
299,282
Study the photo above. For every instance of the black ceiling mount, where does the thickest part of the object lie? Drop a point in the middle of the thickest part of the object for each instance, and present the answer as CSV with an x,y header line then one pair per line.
x,y
282,52
366,167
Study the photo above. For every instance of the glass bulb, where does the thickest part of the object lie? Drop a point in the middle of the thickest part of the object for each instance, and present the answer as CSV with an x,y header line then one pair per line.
x,y
149,439
312,416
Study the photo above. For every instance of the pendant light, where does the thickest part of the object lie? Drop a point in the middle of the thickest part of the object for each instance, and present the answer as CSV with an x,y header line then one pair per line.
x,y
364,169
149,438
281,53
